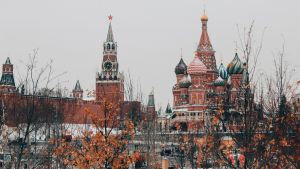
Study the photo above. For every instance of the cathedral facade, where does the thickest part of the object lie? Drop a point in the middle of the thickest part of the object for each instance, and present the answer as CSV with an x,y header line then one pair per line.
x,y
199,79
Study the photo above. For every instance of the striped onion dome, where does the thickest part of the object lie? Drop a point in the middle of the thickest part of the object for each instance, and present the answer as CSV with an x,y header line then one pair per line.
x,y
196,67
222,72
185,82
219,82
180,68
235,66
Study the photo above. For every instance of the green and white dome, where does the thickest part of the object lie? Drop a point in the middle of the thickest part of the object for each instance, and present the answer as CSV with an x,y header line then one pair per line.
x,y
235,66
219,82
222,72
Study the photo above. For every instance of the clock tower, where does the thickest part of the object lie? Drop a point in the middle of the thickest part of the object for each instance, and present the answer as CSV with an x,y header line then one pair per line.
x,y
110,82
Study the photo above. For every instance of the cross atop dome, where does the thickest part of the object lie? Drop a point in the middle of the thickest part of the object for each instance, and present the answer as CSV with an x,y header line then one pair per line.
x,y
204,17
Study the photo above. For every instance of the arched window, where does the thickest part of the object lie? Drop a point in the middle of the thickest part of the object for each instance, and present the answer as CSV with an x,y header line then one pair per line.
x,y
113,46
108,46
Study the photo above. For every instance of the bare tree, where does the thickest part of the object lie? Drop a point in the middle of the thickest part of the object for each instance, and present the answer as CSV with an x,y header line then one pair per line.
x,y
30,110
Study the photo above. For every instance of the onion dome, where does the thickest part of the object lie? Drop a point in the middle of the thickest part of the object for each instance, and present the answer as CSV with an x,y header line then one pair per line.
x,y
196,67
185,82
181,67
219,82
204,17
235,66
222,72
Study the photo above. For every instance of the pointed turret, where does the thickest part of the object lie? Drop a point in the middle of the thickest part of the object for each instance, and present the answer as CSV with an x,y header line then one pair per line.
x,y
168,109
110,35
205,51
110,46
204,44
7,83
77,91
8,61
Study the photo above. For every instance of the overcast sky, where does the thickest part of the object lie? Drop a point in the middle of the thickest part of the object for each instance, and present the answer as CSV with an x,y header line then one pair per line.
x,y
150,35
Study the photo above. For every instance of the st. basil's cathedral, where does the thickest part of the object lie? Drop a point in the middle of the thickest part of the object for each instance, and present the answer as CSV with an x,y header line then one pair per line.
x,y
201,79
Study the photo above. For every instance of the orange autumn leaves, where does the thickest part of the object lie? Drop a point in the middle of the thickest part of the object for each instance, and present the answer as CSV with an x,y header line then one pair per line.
x,y
104,146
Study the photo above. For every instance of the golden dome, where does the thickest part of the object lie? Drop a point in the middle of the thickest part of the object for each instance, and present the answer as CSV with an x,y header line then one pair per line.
x,y
204,17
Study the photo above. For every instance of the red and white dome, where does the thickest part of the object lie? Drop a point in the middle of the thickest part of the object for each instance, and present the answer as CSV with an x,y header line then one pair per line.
x,y
196,66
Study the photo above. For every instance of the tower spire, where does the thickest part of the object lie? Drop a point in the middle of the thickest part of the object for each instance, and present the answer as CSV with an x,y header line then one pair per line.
x,y
77,86
110,35
205,51
204,44
110,82
77,91
8,61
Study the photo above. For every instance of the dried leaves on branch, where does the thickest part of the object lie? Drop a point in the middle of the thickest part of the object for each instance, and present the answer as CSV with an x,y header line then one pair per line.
x,y
105,145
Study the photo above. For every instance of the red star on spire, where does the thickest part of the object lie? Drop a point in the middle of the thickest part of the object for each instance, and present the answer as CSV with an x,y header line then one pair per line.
x,y
110,17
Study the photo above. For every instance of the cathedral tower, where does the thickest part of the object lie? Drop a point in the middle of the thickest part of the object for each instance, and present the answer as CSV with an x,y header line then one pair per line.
x,y
109,82
206,52
7,83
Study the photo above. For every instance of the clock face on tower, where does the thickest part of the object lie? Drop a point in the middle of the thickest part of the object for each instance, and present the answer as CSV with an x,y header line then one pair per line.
x,y
107,65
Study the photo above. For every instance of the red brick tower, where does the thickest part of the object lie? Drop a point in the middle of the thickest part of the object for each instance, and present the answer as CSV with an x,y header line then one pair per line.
x,y
110,83
206,52
7,83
